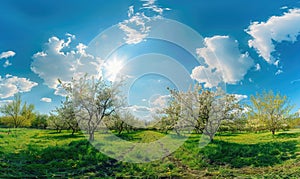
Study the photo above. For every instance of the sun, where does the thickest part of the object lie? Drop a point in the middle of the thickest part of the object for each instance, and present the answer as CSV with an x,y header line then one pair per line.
x,y
112,67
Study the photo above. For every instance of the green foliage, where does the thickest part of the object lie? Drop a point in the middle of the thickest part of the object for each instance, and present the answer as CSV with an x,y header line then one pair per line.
x,y
17,115
123,122
40,121
56,122
234,126
270,111
295,122
66,113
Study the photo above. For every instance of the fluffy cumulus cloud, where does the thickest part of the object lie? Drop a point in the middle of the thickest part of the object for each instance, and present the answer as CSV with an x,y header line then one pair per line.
x,y
137,27
224,62
59,60
46,100
11,85
278,29
143,113
206,75
158,102
7,54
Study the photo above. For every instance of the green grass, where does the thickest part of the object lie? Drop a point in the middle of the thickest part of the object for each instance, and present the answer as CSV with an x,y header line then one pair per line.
x,y
45,153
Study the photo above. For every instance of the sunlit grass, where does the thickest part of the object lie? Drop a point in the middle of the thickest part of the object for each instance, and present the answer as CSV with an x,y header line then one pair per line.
x,y
45,153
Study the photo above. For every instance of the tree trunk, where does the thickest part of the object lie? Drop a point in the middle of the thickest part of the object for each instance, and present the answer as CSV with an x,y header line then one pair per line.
x,y
120,131
273,132
211,138
91,137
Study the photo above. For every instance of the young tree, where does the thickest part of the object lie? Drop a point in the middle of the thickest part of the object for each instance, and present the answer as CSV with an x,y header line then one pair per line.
x,y
56,122
19,115
170,117
92,101
124,121
205,109
272,110
40,121
67,113
27,113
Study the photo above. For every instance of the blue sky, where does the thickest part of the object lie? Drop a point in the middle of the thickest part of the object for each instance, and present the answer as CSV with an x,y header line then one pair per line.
x,y
248,45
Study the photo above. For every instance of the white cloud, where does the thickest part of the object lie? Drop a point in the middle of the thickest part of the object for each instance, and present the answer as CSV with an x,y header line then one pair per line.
x,y
3,102
295,81
60,91
137,27
59,61
278,29
284,7
134,36
46,100
136,108
7,64
206,75
240,97
278,72
150,5
159,102
11,85
146,113
130,12
7,54
257,67
276,63
140,112
70,35
224,62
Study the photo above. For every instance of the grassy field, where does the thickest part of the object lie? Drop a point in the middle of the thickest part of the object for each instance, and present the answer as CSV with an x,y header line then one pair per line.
x,y
45,153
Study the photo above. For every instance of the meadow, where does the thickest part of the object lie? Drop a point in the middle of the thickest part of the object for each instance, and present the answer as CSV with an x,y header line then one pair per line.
x,y
29,153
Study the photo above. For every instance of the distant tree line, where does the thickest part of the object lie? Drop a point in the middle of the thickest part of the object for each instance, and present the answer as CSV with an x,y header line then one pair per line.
x,y
93,104
209,111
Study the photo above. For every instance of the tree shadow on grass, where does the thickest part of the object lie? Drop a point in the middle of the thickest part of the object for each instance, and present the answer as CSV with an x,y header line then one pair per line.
x,y
60,137
127,137
78,159
228,134
257,155
287,135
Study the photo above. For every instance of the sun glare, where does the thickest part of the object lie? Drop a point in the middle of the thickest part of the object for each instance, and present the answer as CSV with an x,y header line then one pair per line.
x,y
113,67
